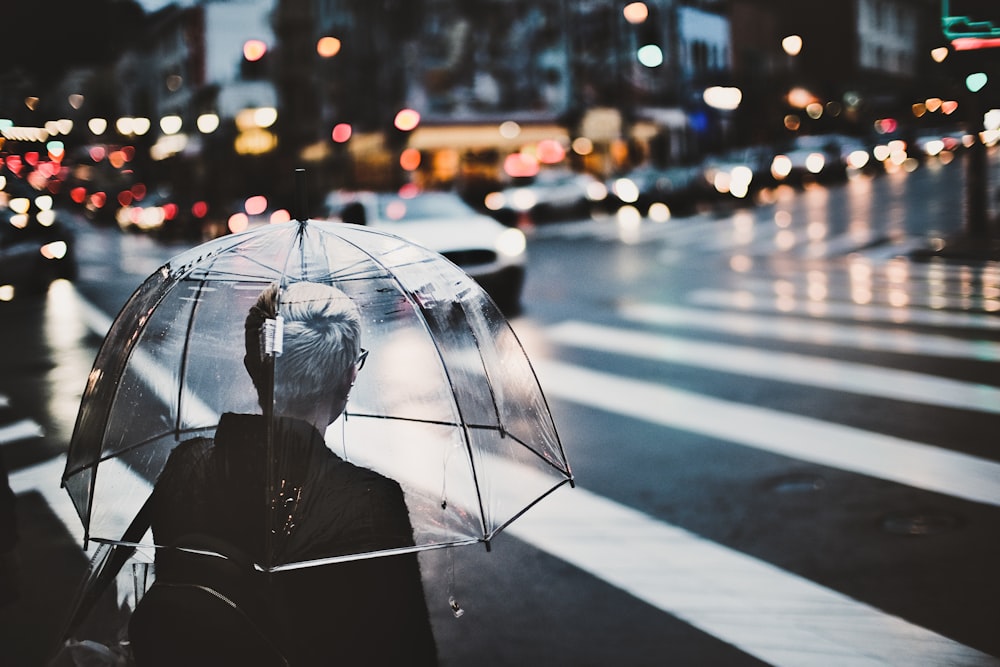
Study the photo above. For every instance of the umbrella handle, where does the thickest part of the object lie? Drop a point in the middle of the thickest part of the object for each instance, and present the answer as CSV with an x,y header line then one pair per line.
x,y
93,589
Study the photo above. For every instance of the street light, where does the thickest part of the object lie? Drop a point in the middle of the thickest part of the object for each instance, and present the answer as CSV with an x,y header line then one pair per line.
x,y
792,44
725,98
207,123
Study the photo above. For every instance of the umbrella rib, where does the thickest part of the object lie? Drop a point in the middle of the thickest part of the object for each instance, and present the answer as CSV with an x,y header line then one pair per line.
x,y
527,507
185,354
419,307
117,453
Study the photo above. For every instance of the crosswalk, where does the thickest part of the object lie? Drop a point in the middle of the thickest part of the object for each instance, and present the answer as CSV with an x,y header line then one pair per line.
x,y
905,309
834,301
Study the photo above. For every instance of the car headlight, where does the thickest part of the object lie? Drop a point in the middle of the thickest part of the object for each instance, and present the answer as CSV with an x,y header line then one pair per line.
x,y
46,218
815,163
495,201
54,250
523,200
597,191
627,190
741,176
858,159
511,243
781,166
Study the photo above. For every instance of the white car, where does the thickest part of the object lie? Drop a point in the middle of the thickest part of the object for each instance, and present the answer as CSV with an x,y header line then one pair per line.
x,y
491,253
549,195
820,157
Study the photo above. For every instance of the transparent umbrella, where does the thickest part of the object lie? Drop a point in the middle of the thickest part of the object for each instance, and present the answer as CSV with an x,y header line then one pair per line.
x,y
447,404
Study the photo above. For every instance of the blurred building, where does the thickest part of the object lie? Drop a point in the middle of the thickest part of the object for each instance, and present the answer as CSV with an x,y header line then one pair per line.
x,y
237,93
489,78
850,63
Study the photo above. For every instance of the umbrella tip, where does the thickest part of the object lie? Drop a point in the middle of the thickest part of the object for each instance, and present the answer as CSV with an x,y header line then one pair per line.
x,y
300,195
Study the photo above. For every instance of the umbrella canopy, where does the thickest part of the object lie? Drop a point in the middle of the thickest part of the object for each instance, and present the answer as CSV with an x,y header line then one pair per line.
x,y
445,403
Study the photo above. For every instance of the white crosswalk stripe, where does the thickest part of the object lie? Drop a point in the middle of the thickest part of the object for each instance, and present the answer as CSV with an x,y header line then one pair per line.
x,y
771,614
798,368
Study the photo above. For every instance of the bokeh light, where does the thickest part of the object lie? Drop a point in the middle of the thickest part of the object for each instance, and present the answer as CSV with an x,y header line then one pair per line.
x,y
255,205
550,151
406,120
792,45
409,160
342,132
650,55
207,123
254,49
635,12
328,47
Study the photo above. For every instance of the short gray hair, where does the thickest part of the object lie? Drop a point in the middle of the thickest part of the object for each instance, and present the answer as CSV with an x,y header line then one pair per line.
x,y
321,343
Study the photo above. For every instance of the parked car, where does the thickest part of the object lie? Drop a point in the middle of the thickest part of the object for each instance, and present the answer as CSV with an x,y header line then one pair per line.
x,y
36,247
549,195
678,188
491,253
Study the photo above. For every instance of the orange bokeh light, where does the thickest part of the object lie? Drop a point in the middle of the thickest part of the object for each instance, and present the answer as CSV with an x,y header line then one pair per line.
x,y
409,159
406,120
254,49
238,222
327,47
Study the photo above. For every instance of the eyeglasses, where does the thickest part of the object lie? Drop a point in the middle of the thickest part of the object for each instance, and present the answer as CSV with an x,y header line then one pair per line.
x,y
360,363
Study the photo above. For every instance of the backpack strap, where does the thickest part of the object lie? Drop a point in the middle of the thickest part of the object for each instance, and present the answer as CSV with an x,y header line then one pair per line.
x,y
207,606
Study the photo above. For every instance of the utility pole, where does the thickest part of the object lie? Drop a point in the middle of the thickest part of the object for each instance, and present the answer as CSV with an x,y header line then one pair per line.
x,y
972,28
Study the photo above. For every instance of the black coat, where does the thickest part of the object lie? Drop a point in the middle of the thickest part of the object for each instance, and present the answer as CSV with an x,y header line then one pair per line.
x,y
369,611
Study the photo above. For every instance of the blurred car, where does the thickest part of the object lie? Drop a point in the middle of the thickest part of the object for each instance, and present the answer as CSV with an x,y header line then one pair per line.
x,y
739,172
549,195
36,247
941,142
820,157
163,215
658,191
490,252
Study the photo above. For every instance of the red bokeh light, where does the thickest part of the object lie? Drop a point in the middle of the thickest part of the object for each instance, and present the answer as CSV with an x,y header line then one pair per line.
x,y
409,159
409,191
199,209
520,165
14,164
342,132
78,194
255,205
550,151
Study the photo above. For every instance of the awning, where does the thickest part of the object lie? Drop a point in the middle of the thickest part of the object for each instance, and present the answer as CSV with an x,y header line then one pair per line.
x,y
465,137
